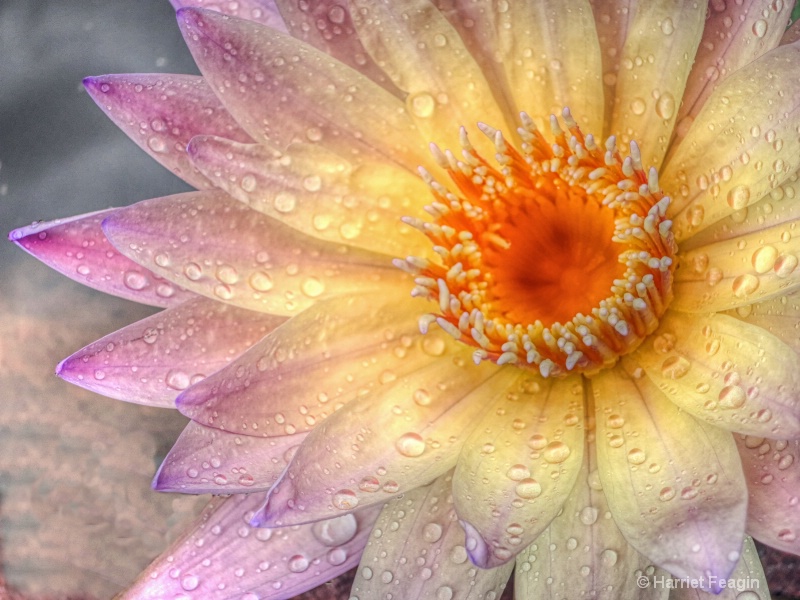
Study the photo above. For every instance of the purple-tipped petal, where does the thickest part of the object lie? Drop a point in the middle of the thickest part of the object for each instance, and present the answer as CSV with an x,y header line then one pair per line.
x,y
329,198
772,471
423,551
328,26
154,360
161,113
734,35
260,11
217,247
674,483
390,441
503,487
360,344
287,91
212,461
78,248
223,557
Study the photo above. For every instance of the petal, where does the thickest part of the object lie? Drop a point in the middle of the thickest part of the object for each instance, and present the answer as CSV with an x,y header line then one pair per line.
x,y
353,345
78,248
582,553
161,113
319,193
150,362
748,268
613,20
261,11
519,465
281,91
659,50
735,35
725,371
742,144
217,247
328,26
552,60
674,483
746,582
425,57
224,557
792,34
392,440
211,461
772,471
421,551
779,316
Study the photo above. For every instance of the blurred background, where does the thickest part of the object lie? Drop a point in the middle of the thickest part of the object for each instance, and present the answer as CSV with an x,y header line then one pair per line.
x,y
77,517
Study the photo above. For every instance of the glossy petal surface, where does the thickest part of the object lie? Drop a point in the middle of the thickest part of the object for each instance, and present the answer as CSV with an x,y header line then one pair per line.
x,y
152,361
78,248
261,11
674,483
224,557
212,461
161,113
217,247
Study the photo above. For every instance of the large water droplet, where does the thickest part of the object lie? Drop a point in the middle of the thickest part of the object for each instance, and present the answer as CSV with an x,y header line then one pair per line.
x,y
410,444
345,499
556,452
422,105
335,532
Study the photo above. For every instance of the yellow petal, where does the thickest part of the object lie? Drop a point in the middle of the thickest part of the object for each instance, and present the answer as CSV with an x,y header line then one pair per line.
x,y
519,465
779,316
674,483
724,371
582,553
656,59
425,57
552,60
743,143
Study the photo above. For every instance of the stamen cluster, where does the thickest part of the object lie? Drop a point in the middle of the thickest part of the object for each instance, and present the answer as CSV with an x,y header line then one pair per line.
x,y
485,277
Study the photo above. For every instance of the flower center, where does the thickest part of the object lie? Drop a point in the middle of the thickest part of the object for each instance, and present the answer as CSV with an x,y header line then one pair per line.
x,y
559,259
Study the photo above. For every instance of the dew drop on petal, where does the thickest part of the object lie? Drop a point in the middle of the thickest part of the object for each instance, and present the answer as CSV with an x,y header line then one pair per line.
x,y
410,445
345,499
135,280
335,532
556,452
528,488
422,105
675,367
738,197
298,563
764,258
665,105
432,532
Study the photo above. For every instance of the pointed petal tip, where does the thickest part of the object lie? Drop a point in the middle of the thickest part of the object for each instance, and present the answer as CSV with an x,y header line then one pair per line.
x,y
477,548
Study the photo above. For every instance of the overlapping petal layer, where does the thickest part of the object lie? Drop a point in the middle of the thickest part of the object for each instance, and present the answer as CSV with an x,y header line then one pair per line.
x,y
217,247
261,11
224,557
152,361
680,501
78,248
161,113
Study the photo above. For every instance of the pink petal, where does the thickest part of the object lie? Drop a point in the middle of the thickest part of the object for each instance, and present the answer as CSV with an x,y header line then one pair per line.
x,y
78,248
282,91
213,461
504,489
772,471
792,34
223,557
402,435
161,113
260,11
421,551
319,193
735,34
673,483
328,26
152,361
216,246
353,345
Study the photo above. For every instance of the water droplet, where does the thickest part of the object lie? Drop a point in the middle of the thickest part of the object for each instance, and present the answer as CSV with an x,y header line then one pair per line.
x,y
588,515
444,593
248,183
528,489
665,106
178,380
336,14
260,281
335,532
638,106
732,396
298,563
410,444
615,421
609,557
636,456
432,532
135,280
345,499
738,197
312,183
744,285
760,28
313,287
518,472
422,105
190,582
556,452
785,264
193,271
764,258
675,367
666,494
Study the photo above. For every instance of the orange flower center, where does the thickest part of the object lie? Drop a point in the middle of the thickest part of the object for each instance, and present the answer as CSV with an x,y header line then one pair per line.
x,y
559,259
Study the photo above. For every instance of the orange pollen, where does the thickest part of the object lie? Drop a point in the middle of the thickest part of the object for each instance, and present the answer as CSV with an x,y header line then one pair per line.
x,y
559,259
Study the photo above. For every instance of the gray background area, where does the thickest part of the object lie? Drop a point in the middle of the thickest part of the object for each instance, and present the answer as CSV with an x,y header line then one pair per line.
x,y
77,516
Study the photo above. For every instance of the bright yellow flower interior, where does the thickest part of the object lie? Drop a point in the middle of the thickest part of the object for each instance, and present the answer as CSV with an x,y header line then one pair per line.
x,y
560,259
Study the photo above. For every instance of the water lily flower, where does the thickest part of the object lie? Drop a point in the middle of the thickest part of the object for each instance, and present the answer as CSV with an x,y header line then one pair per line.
x,y
467,288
